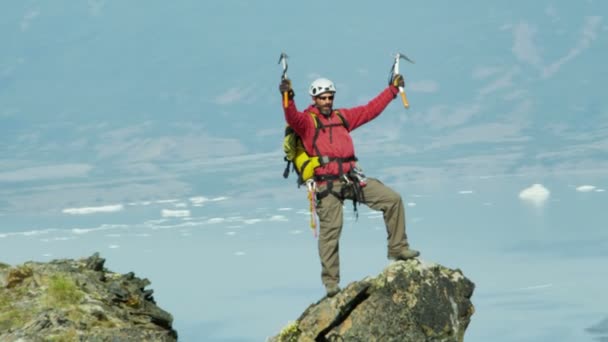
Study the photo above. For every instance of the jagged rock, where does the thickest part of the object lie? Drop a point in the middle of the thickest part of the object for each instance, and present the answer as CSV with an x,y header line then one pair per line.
x,y
78,300
408,301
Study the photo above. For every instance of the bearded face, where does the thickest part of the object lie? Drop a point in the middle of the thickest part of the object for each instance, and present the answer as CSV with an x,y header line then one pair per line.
x,y
324,103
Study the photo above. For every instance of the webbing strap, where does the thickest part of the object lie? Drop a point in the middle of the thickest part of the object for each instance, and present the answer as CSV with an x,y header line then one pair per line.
x,y
359,196
286,171
327,159
320,126
330,190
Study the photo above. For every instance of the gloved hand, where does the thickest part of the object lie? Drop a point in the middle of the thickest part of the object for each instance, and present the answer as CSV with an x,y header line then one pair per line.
x,y
397,80
285,86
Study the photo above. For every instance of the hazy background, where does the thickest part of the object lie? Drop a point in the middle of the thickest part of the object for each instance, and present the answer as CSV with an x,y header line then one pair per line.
x,y
152,131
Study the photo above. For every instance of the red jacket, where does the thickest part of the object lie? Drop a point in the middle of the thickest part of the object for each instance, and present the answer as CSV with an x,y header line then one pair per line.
x,y
335,141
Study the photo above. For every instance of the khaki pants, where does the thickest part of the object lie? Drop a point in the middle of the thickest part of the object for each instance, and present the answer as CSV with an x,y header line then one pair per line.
x,y
378,197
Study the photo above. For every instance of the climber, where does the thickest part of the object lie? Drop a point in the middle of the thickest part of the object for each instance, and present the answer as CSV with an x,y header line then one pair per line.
x,y
325,133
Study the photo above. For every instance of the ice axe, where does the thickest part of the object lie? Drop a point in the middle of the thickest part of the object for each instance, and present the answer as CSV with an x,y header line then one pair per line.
x,y
283,60
395,71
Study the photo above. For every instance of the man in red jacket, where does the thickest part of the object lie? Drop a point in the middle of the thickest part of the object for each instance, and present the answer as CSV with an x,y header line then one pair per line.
x,y
338,178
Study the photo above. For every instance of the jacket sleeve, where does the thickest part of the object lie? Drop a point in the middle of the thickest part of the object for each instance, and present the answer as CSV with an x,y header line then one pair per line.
x,y
297,120
360,115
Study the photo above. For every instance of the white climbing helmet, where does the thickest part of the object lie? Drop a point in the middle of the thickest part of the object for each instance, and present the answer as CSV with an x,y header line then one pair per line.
x,y
320,86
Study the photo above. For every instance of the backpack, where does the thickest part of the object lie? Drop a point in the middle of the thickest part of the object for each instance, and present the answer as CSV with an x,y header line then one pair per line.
x,y
304,165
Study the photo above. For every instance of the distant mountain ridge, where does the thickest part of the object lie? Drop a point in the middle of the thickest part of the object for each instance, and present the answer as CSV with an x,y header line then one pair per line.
x,y
78,300
407,301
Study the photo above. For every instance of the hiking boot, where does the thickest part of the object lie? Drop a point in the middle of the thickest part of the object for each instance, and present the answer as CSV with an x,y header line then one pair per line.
x,y
332,289
404,254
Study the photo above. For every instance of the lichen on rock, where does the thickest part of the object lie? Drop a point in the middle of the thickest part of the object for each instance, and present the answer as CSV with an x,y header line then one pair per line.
x,y
408,301
72,300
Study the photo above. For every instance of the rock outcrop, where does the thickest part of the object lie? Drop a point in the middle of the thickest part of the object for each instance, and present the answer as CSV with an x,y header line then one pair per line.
x,y
78,300
408,301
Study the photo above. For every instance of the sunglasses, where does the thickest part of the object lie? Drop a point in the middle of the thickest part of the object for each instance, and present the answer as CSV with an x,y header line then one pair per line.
x,y
326,97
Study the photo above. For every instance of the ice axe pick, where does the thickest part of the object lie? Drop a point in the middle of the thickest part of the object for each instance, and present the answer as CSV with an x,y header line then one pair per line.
x,y
398,57
283,61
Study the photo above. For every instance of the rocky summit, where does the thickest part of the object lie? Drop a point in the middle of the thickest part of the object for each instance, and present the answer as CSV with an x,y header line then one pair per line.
x,y
408,301
78,300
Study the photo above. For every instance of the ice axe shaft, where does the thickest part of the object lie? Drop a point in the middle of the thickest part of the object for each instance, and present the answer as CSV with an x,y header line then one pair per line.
x,y
283,61
406,104
398,57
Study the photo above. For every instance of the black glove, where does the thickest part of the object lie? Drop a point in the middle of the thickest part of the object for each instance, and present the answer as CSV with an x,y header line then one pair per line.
x,y
397,80
285,87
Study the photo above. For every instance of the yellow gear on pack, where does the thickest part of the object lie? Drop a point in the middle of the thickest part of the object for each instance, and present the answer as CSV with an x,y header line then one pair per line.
x,y
303,164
